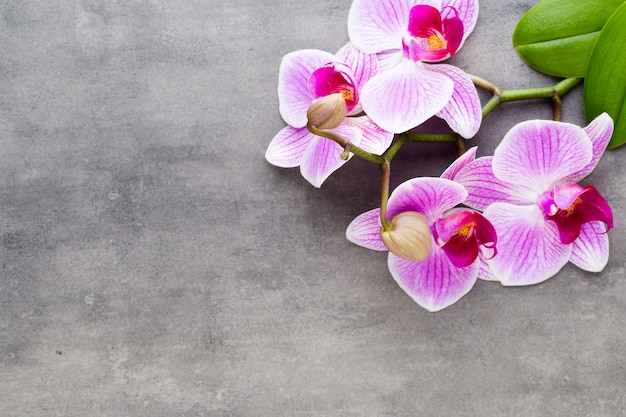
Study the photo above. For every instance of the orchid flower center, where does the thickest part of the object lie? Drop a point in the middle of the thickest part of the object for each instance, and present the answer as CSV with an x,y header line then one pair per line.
x,y
430,36
461,233
334,78
436,42
571,206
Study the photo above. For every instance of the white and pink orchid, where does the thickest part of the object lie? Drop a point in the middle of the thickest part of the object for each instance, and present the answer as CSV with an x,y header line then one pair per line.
x,y
308,75
407,35
458,236
528,191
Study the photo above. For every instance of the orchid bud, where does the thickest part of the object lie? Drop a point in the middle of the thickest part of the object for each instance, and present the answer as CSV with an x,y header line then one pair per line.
x,y
327,112
410,237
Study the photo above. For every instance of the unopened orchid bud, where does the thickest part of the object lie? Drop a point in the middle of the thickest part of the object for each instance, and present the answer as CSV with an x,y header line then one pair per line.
x,y
327,112
410,237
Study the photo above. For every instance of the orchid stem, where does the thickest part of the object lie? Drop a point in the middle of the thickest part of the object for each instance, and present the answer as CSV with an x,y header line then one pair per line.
x,y
500,96
346,145
385,169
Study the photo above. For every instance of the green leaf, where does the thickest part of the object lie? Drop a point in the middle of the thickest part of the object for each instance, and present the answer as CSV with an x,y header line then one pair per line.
x,y
556,36
605,82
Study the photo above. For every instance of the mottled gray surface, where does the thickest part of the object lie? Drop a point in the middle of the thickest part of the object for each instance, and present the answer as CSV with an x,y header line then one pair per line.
x,y
153,264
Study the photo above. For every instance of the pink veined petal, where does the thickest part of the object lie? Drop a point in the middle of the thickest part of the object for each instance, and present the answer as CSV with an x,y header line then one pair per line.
x,y
379,25
364,231
591,249
405,96
323,156
467,11
294,95
428,196
529,249
433,283
390,59
463,112
538,153
287,147
484,188
364,66
374,140
454,168
599,131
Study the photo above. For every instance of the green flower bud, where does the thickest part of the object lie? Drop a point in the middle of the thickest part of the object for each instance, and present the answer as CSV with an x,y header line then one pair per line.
x,y
410,237
327,112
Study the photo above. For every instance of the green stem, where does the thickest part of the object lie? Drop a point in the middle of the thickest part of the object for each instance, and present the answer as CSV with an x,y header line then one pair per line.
x,y
500,96
385,169
348,147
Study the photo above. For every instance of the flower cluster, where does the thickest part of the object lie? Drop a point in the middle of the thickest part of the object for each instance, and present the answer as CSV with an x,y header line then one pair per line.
x,y
516,217
384,71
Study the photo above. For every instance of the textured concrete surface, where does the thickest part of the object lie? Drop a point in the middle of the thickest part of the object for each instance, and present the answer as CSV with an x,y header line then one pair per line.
x,y
153,264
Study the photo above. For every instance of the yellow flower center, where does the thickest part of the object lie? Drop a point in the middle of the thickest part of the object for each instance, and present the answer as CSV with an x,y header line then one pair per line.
x,y
347,95
436,42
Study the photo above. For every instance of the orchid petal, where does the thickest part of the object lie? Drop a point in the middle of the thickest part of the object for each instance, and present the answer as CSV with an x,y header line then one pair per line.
x,y
428,196
405,96
467,11
454,168
529,249
364,230
287,147
591,249
485,188
434,283
599,131
538,153
294,95
463,112
374,140
323,156
364,66
379,25
390,59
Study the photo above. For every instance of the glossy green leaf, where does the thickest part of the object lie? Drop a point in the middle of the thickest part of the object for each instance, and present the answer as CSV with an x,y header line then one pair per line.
x,y
556,36
605,81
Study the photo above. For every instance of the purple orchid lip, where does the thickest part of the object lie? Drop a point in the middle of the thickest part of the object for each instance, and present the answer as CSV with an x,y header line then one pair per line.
x,y
463,231
574,206
431,38
334,78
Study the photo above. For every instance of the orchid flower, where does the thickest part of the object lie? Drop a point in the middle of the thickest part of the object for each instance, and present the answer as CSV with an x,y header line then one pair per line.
x,y
306,76
407,35
451,265
528,191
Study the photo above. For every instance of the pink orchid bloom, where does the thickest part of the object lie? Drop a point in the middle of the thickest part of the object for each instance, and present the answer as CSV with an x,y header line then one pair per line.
x,y
452,266
528,191
406,34
306,76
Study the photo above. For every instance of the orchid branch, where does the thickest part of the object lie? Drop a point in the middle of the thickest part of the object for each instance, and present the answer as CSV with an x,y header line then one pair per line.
x,y
348,147
500,96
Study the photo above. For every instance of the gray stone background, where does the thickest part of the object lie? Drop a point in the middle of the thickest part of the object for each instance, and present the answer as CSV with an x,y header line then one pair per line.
x,y
153,264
